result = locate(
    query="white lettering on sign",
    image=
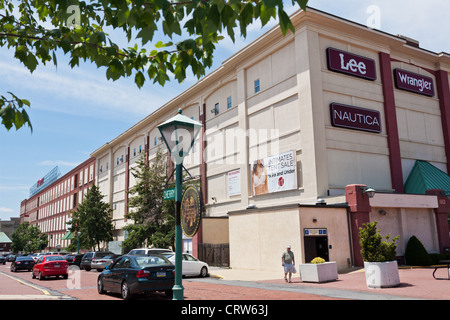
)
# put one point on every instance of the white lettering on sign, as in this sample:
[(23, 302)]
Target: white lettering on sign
[(413, 82), (356, 117), (352, 65), (419, 83)]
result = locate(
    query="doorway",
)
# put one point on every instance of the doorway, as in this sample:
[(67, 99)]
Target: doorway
[(315, 244)]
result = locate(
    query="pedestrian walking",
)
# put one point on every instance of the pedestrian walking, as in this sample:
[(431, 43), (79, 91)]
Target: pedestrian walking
[(288, 262)]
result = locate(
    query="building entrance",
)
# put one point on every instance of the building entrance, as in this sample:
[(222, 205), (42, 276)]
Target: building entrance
[(315, 244)]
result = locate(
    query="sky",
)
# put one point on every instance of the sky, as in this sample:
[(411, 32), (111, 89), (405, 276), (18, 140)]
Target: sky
[(76, 111)]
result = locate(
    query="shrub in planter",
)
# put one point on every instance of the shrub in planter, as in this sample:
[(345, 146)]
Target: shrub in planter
[(416, 254), (373, 248), (318, 271), (381, 268)]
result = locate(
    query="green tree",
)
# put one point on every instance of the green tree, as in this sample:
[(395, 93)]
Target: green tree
[(153, 218), (93, 219), (36, 30), (28, 238)]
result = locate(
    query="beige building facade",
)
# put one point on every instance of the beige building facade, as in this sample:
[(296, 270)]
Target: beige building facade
[(294, 128)]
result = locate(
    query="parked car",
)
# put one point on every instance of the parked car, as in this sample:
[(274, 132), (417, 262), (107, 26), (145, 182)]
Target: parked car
[(141, 251), (22, 263), (50, 265), (134, 274), (3, 259), (102, 263), (191, 266), (74, 259), (87, 258), (11, 258)]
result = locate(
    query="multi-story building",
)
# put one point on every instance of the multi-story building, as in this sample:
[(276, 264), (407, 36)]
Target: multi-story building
[(295, 130), (53, 198)]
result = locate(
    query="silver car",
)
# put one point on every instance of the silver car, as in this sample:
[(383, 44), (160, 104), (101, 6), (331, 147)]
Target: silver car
[(102, 263)]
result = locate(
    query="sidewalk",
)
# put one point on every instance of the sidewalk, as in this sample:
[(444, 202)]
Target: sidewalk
[(415, 283)]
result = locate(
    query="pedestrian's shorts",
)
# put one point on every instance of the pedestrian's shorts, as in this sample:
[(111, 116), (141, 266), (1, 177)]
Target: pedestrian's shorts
[(288, 267)]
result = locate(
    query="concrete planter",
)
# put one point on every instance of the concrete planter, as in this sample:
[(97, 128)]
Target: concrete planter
[(382, 274), (320, 272)]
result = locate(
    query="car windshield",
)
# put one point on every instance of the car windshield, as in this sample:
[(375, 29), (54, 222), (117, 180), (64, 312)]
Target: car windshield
[(54, 258), (151, 261), (102, 254), (24, 258), (137, 251)]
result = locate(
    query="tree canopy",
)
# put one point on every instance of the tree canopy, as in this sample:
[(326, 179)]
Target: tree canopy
[(36, 30)]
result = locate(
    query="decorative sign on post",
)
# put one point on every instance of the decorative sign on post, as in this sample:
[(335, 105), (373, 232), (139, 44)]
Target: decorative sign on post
[(413, 82), (355, 118), (351, 64), (191, 211)]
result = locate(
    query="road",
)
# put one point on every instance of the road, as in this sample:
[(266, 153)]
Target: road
[(81, 285)]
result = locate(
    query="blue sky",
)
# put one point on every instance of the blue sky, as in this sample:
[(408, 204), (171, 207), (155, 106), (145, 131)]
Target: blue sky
[(76, 111)]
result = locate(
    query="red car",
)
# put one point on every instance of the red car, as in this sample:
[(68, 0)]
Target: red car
[(50, 265)]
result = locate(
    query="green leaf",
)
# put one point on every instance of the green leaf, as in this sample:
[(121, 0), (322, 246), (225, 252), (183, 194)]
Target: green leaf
[(146, 34), (139, 79)]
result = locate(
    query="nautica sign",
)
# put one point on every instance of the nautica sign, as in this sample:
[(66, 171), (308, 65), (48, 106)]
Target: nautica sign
[(413, 82), (355, 118)]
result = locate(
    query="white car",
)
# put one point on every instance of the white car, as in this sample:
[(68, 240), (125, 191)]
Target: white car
[(191, 265)]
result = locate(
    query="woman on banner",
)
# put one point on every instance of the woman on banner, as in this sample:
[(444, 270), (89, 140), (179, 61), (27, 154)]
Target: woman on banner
[(259, 178)]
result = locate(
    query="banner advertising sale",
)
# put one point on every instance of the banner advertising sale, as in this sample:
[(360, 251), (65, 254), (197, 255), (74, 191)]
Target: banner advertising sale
[(275, 173)]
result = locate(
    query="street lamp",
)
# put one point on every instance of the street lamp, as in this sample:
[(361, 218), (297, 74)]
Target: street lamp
[(179, 134)]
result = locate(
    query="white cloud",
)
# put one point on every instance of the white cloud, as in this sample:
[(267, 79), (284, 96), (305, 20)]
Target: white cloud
[(6, 210)]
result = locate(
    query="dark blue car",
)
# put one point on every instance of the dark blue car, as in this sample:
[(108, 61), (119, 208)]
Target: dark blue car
[(131, 275)]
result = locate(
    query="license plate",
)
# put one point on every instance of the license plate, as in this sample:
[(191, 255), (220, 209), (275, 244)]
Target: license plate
[(57, 265), (160, 274)]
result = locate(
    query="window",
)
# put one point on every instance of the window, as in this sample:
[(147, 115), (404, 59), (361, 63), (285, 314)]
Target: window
[(257, 86), (155, 141), (118, 160), (140, 149), (229, 102), (216, 109), (134, 152)]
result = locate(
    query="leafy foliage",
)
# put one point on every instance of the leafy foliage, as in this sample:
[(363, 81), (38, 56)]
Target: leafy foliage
[(373, 248), (36, 30), (92, 218), (28, 238)]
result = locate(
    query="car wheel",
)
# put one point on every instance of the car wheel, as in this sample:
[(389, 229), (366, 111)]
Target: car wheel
[(125, 291), (40, 276), (203, 272), (87, 268), (100, 288), (32, 275), (65, 276)]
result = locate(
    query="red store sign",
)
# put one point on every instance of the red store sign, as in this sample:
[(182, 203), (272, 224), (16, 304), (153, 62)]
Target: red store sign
[(351, 64), (355, 118), (413, 82)]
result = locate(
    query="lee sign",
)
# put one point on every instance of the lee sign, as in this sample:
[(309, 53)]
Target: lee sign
[(355, 118), (413, 82), (351, 64)]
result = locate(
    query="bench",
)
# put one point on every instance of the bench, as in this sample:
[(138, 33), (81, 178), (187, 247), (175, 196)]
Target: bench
[(447, 262)]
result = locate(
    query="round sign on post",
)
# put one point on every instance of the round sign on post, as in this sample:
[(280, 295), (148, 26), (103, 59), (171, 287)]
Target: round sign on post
[(191, 211)]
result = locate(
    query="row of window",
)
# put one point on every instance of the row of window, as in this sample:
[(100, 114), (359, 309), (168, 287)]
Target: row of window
[(257, 88)]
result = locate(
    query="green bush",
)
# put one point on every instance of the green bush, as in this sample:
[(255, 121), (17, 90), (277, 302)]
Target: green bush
[(416, 254), (373, 248)]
